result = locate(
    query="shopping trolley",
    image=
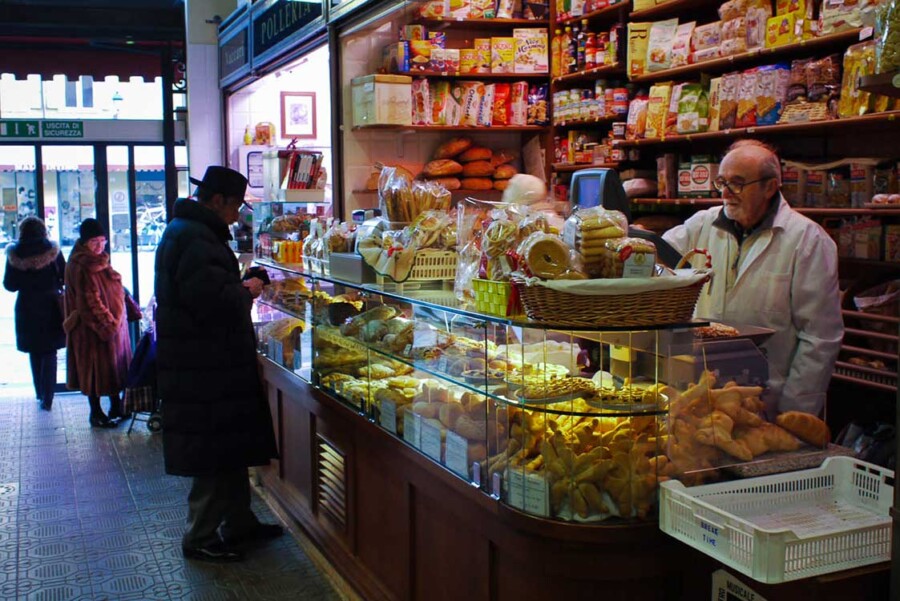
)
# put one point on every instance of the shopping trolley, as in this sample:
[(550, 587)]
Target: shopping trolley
[(141, 398)]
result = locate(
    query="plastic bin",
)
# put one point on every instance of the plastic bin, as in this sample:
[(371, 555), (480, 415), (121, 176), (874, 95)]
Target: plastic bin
[(492, 297), (787, 526)]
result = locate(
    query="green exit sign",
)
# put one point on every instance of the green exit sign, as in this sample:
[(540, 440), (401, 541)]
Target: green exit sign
[(20, 129), (62, 129)]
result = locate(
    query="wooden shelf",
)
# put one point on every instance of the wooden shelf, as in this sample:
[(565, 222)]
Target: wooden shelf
[(441, 128), (486, 76), (592, 123), (727, 63), (837, 212), (877, 263), (482, 23), (671, 8), (846, 377), (870, 316), (680, 202), (596, 15), (461, 193), (569, 168), (615, 69), (815, 127), (886, 84)]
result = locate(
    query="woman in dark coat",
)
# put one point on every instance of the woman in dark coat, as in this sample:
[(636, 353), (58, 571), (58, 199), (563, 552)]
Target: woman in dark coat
[(34, 269), (98, 348)]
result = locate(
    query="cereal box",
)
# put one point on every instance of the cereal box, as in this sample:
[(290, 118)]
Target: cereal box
[(395, 57), (468, 59), (657, 110), (483, 54), (503, 55), (420, 55), (780, 30), (531, 51), (892, 243)]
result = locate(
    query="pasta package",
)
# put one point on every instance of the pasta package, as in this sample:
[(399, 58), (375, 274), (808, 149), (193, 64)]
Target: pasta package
[(638, 42), (714, 103), (659, 47), (734, 37), (707, 37), (681, 44), (729, 90), (636, 125), (672, 114), (518, 103), (422, 108), (657, 110), (486, 110), (501, 104), (472, 94), (771, 93), (746, 104), (693, 110), (859, 60)]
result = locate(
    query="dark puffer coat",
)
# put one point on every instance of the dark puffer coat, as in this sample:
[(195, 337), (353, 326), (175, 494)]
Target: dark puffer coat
[(98, 349), (214, 408), (34, 269)]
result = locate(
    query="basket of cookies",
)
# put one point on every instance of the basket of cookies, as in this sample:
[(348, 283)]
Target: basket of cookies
[(595, 275)]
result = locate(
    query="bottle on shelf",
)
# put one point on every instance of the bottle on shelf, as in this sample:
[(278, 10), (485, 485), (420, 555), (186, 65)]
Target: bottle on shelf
[(556, 54), (248, 136), (581, 46), (568, 51), (603, 49), (590, 51)]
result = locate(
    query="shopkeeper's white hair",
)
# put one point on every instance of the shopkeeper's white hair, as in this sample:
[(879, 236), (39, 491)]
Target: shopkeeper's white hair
[(770, 166)]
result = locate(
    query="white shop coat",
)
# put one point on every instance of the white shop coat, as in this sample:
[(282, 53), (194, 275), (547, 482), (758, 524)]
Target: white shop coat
[(783, 277)]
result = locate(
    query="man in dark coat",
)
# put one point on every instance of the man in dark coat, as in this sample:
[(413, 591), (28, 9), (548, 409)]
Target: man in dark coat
[(216, 418)]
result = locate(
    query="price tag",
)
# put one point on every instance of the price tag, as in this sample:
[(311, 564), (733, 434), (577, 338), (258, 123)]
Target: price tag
[(457, 455), (515, 488), (865, 33), (528, 491), (638, 265), (430, 440), (411, 423), (388, 417)]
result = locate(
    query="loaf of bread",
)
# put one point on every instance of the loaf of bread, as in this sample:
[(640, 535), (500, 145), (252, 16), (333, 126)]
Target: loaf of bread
[(442, 168), (478, 169), (806, 427), (475, 153), (477, 183), (450, 183), (452, 147), (501, 184), (503, 156), (505, 171), (545, 255)]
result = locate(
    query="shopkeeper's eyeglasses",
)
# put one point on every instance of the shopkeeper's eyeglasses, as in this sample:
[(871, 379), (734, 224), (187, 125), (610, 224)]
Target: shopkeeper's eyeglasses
[(721, 184)]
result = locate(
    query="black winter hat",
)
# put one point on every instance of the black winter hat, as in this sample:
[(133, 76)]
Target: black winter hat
[(32, 228), (222, 180), (90, 228)]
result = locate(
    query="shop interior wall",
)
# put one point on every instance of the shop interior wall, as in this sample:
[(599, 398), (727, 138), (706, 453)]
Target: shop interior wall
[(260, 102)]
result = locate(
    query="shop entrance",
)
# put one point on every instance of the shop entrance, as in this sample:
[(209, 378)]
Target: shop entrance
[(121, 185)]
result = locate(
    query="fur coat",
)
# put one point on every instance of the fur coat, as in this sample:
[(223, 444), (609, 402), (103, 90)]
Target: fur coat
[(98, 349), (34, 269)]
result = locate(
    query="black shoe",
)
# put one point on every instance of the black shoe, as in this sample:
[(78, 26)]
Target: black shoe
[(217, 552), (101, 421), (46, 405), (261, 532)]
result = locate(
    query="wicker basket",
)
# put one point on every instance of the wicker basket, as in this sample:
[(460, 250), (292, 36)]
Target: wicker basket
[(657, 307)]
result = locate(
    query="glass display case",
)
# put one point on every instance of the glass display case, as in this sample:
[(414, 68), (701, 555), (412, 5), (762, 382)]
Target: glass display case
[(563, 423)]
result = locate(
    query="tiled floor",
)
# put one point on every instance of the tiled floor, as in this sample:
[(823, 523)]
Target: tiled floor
[(89, 514)]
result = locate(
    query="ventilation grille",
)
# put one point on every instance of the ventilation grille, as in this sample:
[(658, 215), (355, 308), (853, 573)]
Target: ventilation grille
[(331, 482)]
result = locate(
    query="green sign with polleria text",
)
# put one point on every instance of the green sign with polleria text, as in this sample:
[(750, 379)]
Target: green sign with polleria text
[(62, 129)]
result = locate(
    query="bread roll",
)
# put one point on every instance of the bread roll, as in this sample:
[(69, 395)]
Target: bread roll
[(504, 156), (478, 169), (504, 171), (452, 147), (475, 153), (477, 183), (806, 427), (442, 168), (501, 184), (450, 183)]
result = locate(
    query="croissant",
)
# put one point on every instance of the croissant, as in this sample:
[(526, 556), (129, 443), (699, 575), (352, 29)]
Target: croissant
[(715, 431), (806, 427)]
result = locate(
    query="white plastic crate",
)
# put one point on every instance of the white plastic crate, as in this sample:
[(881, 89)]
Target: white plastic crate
[(434, 265), (787, 526)]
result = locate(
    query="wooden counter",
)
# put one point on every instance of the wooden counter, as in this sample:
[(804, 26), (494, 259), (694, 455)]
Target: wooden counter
[(399, 526)]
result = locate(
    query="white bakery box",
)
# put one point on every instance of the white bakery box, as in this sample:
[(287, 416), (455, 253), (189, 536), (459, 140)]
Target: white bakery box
[(382, 100)]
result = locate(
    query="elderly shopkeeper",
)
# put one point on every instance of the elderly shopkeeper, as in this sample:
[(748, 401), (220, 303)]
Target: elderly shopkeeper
[(773, 268)]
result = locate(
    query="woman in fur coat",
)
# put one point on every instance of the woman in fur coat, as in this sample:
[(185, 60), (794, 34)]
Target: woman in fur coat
[(98, 348), (34, 269)]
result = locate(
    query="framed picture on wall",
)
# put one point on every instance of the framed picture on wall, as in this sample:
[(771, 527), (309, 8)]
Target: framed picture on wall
[(298, 114)]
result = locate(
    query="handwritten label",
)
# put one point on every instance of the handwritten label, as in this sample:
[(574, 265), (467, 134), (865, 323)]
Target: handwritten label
[(709, 534), (528, 491), (388, 417), (457, 459), (411, 423), (728, 588), (430, 440)]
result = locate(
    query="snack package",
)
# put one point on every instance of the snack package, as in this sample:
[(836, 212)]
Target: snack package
[(626, 258), (451, 60), (429, 196), (797, 83), (638, 43), (636, 124), (659, 46), (681, 44), (714, 103), (473, 218), (531, 53), (734, 36), (538, 113), (732, 9), (545, 256), (422, 107), (425, 230), (859, 60), (757, 17), (729, 91), (395, 196), (472, 94), (706, 37), (783, 7), (823, 79), (420, 55), (483, 55), (657, 110), (793, 183), (862, 183), (837, 187), (587, 231), (815, 188), (482, 9), (440, 95), (503, 54), (672, 114), (468, 59), (841, 15), (499, 239), (771, 93), (693, 110), (454, 105), (887, 34), (746, 104), (486, 110), (518, 103), (337, 239), (780, 30), (501, 104), (505, 9)]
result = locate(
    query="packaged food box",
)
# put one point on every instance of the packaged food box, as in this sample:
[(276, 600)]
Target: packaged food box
[(413, 32), (667, 175), (657, 110), (382, 100), (862, 182), (780, 30), (468, 59), (483, 55), (793, 184), (419, 55), (783, 7), (451, 60), (892, 243), (503, 55), (684, 180), (395, 57), (867, 239), (531, 54), (638, 41), (704, 171), (815, 188), (456, 9), (714, 100)]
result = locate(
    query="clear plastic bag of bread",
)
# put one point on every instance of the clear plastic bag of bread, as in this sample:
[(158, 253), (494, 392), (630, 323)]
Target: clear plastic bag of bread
[(395, 196), (533, 221), (426, 230), (590, 227), (472, 218), (430, 196), (616, 252), (499, 239), (338, 238), (547, 257)]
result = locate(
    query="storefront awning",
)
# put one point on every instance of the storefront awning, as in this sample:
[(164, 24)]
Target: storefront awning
[(24, 58)]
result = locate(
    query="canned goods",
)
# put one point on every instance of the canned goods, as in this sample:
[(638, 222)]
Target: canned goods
[(616, 155), (618, 130)]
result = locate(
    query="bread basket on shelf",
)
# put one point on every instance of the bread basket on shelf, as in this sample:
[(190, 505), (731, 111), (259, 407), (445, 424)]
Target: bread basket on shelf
[(615, 302)]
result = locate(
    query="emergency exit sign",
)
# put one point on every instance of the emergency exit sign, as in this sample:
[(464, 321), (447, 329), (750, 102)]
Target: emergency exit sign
[(20, 129), (62, 129)]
